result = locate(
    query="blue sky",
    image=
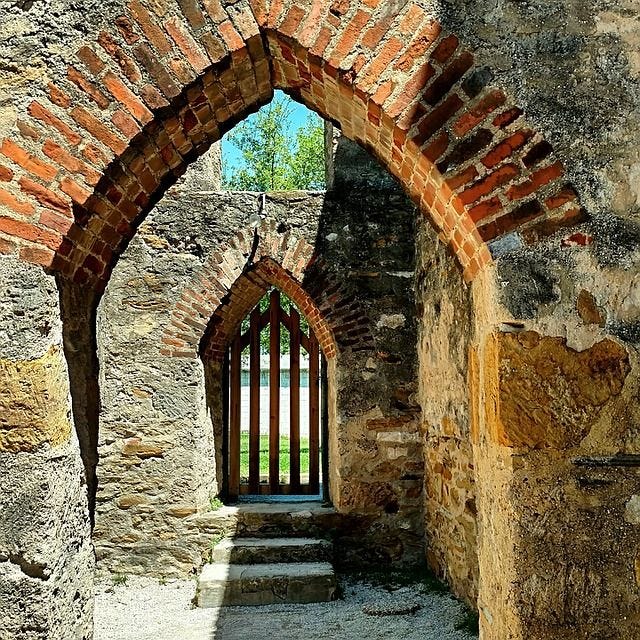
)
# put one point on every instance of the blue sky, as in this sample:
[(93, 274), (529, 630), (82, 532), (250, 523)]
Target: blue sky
[(231, 155)]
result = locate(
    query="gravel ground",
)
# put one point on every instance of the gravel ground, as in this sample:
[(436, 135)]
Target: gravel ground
[(143, 609)]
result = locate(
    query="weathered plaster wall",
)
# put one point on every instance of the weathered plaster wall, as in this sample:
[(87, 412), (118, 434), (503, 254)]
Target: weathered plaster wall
[(445, 316), (46, 560)]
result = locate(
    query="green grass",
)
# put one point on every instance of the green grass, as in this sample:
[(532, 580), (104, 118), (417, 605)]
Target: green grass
[(264, 455)]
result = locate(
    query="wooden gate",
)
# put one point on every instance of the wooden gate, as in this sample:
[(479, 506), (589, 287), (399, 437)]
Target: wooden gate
[(272, 481)]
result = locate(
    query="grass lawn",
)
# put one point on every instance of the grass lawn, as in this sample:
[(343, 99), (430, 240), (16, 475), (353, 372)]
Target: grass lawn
[(264, 455)]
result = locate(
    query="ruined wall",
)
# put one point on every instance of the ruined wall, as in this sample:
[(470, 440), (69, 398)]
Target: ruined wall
[(157, 443), (46, 560), (445, 315), (160, 450)]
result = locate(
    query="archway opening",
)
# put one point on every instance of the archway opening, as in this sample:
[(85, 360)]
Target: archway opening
[(273, 410)]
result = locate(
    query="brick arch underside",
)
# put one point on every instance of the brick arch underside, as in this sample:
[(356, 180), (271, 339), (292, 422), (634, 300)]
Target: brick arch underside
[(237, 275), (153, 91)]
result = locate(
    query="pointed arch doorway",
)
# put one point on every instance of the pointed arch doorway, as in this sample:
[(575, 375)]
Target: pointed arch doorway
[(274, 406)]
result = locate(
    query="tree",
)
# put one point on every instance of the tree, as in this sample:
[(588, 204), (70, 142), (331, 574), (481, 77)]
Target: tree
[(272, 159)]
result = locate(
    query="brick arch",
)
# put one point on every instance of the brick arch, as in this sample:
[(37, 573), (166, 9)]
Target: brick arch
[(152, 91), (237, 275)]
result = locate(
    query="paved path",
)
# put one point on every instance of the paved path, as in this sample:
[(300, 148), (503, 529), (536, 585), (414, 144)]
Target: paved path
[(145, 610)]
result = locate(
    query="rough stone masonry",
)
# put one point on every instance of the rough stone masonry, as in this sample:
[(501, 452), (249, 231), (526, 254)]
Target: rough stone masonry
[(513, 128)]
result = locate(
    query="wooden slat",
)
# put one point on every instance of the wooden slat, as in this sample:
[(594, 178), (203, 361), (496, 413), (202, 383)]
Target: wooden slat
[(234, 419), (245, 339), (274, 392), (314, 415), (254, 403), (294, 400), (225, 422)]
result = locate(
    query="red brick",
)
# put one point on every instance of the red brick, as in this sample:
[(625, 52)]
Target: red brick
[(27, 131), (566, 194), (411, 20), (44, 196), (28, 231), (88, 87), (538, 179), (6, 175), (127, 30), (537, 153), (507, 148), (485, 209), (44, 115), (55, 221), (127, 98), (74, 191), (90, 60), (441, 85), (153, 32), (37, 255), (373, 36), (462, 178), (418, 46), (382, 61), (437, 147), (215, 10), (193, 14), (27, 161), (350, 35), (292, 21), (95, 155), (7, 199), (321, 42), (505, 118), (231, 37), (476, 114), (98, 130), (485, 186), (275, 11), (7, 246), (152, 97), (125, 62), (411, 89), (181, 36), (70, 162), (58, 96), (445, 49), (437, 118)]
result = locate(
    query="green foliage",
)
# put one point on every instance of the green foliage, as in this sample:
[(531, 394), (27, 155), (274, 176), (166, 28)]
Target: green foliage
[(215, 503), (285, 338), (119, 579), (264, 454), (272, 158)]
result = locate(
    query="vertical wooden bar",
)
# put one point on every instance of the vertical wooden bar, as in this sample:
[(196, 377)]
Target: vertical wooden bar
[(324, 430), (254, 403), (294, 400), (314, 415), (225, 422), (234, 419), (274, 392)]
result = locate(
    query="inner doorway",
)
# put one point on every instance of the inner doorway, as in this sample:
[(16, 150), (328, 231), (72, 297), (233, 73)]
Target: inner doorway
[(273, 405)]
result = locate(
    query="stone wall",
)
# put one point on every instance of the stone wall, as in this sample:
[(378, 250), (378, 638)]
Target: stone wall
[(160, 424), (46, 560), (446, 332)]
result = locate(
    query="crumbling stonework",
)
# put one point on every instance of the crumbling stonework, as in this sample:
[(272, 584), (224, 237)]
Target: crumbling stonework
[(161, 425), (512, 126), (46, 559)]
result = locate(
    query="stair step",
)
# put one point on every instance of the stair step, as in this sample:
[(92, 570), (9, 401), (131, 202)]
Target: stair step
[(271, 550), (260, 584)]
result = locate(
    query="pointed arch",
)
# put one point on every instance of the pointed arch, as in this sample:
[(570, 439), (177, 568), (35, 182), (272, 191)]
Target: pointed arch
[(153, 91), (238, 274)]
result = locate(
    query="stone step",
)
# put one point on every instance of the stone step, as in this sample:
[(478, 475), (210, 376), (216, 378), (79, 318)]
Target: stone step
[(271, 550), (222, 584)]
